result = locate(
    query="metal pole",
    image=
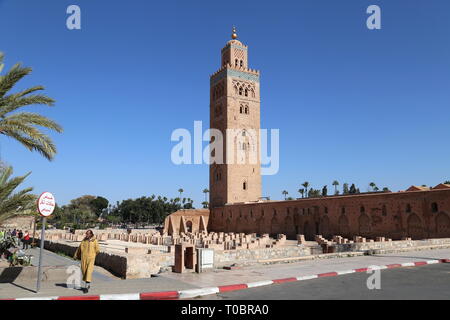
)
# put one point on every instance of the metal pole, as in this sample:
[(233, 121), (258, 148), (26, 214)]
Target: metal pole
[(34, 233), (38, 287)]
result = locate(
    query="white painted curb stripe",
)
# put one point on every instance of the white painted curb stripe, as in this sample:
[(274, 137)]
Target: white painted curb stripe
[(307, 277), (259, 284), (39, 298), (128, 296), (192, 293), (408, 264), (432, 261), (345, 272)]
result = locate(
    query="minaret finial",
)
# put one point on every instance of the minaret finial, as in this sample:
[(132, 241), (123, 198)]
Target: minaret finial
[(234, 34)]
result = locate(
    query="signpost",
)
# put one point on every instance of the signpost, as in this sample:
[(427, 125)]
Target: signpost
[(45, 205)]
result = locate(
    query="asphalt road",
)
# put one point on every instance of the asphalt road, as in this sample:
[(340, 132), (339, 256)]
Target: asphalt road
[(424, 282)]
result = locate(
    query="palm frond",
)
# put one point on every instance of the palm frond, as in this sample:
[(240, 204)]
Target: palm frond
[(13, 76), (14, 203)]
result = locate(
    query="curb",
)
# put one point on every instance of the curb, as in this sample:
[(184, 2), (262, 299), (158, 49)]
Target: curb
[(193, 293)]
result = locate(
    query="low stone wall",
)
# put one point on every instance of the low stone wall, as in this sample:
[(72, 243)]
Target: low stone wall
[(247, 257), (387, 246), (127, 266)]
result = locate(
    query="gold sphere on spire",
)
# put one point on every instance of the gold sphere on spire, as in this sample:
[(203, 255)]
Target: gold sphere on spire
[(234, 34)]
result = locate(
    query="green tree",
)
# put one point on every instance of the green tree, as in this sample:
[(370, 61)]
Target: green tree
[(302, 192), (447, 182), (284, 193), (205, 203), (345, 189), (372, 185), (99, 204), (325, 191), (306, 185), (23, 126), (180, 191), (335, 184), (14, 202), (314, 193)]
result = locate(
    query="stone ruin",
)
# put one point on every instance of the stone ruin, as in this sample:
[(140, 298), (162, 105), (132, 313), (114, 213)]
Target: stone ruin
[(213, 240)]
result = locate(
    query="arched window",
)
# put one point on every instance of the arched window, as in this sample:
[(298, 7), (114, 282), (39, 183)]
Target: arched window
[(236, 62), (242, 63), (240, 91), (240, 109), (246, 110), (384, 211), (408, 208), (246, 92), (244, 185), (343, 209), (434, 207), (362, 209)]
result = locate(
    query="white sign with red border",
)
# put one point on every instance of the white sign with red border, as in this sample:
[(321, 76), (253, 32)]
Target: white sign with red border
[(46, 204)]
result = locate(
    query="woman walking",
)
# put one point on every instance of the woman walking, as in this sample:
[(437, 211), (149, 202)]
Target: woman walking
[(87, 251)]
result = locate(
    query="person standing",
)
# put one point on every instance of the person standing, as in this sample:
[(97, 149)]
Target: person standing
[(87, 251), (26, 240), (20, 236)]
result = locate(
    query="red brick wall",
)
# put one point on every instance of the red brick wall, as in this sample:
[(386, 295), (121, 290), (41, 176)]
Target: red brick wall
[(368, 215)]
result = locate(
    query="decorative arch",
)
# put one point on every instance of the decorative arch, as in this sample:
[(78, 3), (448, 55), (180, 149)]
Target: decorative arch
[(274, 226), (189, 226), (364, 224), (415, 227), (324, 227), (344, 227), (289, 227), (442, 225), (308, 231)]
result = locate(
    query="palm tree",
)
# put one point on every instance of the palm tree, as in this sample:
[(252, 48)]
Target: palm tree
[(206, 191), (14, 203), (306, 185), (23, 126), (284, 193), (335, 184), (180, 191), (302, 192), (372, 185)]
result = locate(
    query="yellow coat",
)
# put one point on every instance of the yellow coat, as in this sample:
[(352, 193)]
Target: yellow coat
[(87, 251)]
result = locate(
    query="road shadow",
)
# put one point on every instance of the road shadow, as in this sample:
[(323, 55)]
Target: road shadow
[(9, 275), (64, 285)]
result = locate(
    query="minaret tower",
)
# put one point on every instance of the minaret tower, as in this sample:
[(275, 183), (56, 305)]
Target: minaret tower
[(235, 111)]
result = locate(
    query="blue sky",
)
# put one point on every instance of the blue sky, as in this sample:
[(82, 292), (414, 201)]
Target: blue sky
[(351, 104)]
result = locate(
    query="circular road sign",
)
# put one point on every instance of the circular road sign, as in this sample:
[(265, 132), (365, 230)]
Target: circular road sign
[(46, 204)]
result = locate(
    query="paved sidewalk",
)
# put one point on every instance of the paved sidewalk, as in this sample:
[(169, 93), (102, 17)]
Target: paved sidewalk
[(217, 278), (52, 259)]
